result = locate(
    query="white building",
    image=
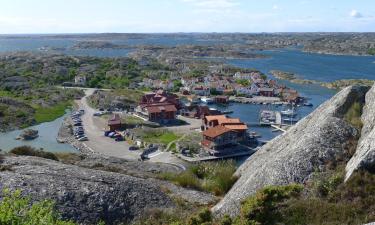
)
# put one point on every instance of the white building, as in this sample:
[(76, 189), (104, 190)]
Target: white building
[(80, 80)]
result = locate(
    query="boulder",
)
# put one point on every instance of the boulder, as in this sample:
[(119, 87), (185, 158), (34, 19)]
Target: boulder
[(293, 157), (84, 195), (364, 157)]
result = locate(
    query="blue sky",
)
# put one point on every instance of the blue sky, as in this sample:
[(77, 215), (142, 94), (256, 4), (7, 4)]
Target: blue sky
[(88, 16)]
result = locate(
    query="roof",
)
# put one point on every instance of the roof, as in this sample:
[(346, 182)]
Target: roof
[(217, 117), (158, 109), (206, 143), (237, 127), (216, 131), (266, 89), (115, 120), (229, 120)]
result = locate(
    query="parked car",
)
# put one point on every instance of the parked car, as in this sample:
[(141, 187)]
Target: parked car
[(106, 133), (78, 124), (98, 114), (83, 138), (133, 148), (82, 111), (120, 138), (79, 136)]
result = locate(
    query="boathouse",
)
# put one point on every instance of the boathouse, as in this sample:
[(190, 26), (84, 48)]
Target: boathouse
[(218, 140)]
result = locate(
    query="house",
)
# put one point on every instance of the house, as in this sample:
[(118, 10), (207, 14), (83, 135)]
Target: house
[(198, 111), (266, 92), (234, 124), (115, 123), (159, 97), (80, 80), (293, 98), (222, 99), (218, 140), (201, 91), (161, 113), (159, 106)]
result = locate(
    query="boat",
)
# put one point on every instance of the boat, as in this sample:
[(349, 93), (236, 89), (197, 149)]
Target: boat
[(255, 135), (291, 120), (227, 112), (207, 100), (309, 104), (288, 112)]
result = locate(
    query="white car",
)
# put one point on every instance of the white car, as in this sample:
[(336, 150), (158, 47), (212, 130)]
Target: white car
[(83, 139)]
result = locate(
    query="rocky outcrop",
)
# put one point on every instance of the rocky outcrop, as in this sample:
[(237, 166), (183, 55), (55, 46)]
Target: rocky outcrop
[(95, 187), (293, 157), (364, 157), (81, 194)]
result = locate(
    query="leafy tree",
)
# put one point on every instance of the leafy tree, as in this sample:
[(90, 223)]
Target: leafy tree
[(15, 209), (243, 82)]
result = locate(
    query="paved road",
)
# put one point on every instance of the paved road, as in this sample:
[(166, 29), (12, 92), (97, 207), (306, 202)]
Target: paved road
[(94, 129)]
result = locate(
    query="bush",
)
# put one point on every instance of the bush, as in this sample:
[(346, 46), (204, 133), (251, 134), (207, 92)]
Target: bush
[(262, 207), (214, 177), (353, 115), (15, 209), (29, 151), (203, 217)]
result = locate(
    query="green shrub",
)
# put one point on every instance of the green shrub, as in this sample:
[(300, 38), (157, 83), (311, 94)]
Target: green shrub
[(353, 115), (214, 177), (203, 217), (15, 209), (29, 151), (262, 207)]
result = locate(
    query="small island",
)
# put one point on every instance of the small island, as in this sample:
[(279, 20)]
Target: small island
[(338, 84), (28, 134)]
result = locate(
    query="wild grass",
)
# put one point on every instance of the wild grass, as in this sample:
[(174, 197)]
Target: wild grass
[(51, 113), (353, 115), (213, 177), (160, 136), (328, 200), (29, 151)]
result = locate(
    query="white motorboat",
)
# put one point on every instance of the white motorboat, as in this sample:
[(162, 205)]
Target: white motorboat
[(288, 112), (207, 100)]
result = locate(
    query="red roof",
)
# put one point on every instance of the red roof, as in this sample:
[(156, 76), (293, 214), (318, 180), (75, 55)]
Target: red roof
[(161, 108), (216, 131), (206, 143), (115, 120)]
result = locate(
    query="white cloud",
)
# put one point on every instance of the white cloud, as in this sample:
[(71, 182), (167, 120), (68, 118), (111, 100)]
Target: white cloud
[(275, 7), (355, 14)]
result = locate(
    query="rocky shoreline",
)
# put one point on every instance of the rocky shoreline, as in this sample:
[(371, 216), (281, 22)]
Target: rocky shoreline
[(338, 84), (65, 135)]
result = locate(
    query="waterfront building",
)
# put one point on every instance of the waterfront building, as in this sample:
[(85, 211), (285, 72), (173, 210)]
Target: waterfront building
[(218, 140)]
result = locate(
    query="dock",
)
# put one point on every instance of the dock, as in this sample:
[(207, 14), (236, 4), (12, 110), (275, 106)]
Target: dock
[(268, 118), (257, 100), (248, 152), (278, 128)]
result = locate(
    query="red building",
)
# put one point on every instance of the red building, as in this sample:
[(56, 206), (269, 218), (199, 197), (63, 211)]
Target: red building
[(160, 97), (218, 139), (233, 124), (159, 106), (161, 112), (115, 123), (221, 99)]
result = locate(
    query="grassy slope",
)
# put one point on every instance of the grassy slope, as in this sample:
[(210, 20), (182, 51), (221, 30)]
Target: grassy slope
[(49, 114)]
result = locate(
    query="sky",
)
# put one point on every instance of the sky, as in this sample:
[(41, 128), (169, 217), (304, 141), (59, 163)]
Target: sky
[(165, 16)]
